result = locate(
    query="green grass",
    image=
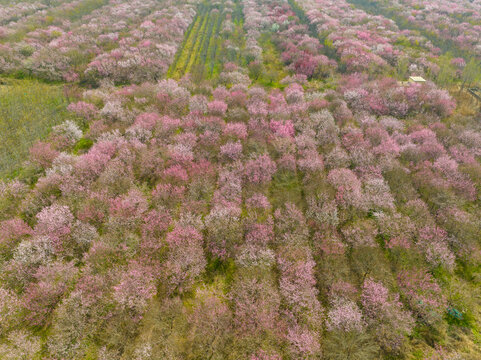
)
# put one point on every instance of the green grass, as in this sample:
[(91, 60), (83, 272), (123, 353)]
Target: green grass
[(273, 68), (286, 188), (28, 110)]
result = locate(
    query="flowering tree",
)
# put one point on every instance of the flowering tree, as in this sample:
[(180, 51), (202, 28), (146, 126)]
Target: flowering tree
[(186, 261), (135, 289), (41, 297), (345, 316), (259, 170), (56, 223), (423, 295), (348, 187), (391, 322)]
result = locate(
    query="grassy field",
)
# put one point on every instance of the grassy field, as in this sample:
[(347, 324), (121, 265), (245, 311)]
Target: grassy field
[(28, 110)]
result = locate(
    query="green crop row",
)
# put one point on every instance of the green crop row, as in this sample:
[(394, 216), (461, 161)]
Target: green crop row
[(212, 47), (182, 58), (193, 53), (206, 48), (202, 60), (200, 54)]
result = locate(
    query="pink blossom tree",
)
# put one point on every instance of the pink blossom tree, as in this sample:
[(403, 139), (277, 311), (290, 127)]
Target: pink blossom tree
[(185, 260), (135, 289)]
